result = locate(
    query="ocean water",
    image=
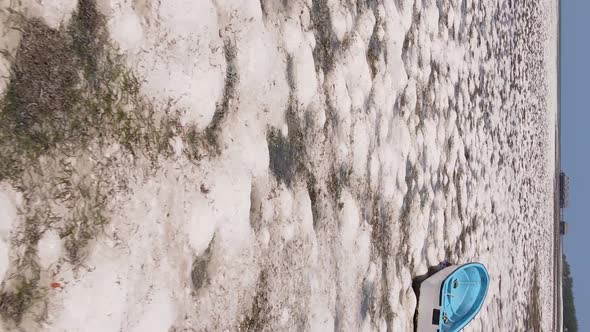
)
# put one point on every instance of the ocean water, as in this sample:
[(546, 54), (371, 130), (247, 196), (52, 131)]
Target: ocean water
[(316, 158)]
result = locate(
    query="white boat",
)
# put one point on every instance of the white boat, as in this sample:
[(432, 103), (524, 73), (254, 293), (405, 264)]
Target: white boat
[(451, 298)]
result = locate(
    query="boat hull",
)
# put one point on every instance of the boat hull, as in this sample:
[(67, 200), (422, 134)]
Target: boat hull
[(428, 302)]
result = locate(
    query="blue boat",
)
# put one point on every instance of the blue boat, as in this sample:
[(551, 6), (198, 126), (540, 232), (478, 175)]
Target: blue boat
[(452, 297)]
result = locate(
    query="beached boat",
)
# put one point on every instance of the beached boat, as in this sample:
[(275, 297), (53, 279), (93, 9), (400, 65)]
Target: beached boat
[(452, 297)]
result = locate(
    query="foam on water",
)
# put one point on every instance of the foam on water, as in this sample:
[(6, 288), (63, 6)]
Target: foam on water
[(416, 131)]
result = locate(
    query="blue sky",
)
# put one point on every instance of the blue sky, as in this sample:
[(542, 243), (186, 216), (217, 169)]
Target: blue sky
[(575, 145)]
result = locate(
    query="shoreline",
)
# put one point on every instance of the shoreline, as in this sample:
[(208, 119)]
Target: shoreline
[(558, 245)]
